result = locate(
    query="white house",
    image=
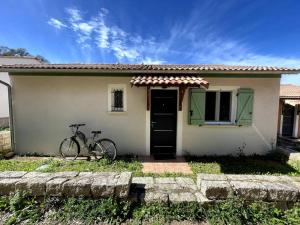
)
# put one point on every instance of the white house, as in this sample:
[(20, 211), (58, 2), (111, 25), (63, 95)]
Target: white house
[(4, 106), (148, 109)]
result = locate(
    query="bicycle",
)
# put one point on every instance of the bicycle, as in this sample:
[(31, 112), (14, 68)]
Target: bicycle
[(70, 147)]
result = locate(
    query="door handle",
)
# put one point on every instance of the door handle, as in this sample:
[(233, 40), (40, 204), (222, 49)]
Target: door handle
[(152, 123)]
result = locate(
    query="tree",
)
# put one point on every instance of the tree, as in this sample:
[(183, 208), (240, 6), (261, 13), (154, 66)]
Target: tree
[(6, 51)]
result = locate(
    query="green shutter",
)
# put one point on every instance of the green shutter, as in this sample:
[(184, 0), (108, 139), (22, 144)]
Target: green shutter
[(244, 107), (196, 106)]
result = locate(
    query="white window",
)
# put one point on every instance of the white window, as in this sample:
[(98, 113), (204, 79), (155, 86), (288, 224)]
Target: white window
[(117, 98), (220, 105)]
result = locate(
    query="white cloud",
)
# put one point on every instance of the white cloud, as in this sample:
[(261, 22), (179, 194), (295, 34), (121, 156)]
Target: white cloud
[(56, 23), (186, 42)]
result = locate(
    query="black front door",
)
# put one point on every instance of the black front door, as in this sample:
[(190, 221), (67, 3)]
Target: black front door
[(288, 120), (163, 123)]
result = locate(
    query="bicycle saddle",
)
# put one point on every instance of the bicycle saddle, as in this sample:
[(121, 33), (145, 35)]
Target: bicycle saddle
[(96, 132), (77, 125)]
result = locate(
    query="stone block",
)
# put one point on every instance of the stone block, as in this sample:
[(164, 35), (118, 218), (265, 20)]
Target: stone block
[(12, 174), (280, 192), (79, 186), (123, 185), (65, 174), (182, 197), (104, 186), (249, 190), (144, 183), (54, 186), (200, 198), (34, 186), (215, 189), (149, 197), (38, 174), (187, 184), (7, 185), (165, 180)]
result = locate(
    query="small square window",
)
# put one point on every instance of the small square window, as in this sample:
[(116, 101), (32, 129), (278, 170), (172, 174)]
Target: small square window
[(117, 98)]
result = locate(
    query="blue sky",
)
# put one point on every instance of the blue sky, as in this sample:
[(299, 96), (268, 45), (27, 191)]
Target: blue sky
[(245, 32)]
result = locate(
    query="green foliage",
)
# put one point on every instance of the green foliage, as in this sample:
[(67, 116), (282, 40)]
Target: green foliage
[(234, 211), (238, 212), (161, 211), (23, 208), (106, 210), (20, 165)]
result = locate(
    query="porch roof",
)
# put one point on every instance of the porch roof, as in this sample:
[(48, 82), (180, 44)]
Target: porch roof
[(183, 80)]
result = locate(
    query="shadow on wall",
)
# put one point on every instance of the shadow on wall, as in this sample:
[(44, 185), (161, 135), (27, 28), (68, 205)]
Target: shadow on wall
[(272, 163)]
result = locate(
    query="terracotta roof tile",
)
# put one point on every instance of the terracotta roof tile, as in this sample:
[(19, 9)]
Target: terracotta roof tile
[(289, 91), (149, 67), (186, 80)]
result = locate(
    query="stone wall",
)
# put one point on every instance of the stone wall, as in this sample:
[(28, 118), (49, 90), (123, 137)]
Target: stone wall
[(5, 145), (4, 122), (208, 188)]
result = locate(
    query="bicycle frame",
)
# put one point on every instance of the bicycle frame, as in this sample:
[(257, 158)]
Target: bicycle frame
[(88, 143)]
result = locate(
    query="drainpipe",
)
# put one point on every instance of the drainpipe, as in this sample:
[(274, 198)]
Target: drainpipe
[(11, 120)]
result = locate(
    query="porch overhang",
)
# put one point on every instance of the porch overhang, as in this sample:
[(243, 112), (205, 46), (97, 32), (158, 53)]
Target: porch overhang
[(182, 82)]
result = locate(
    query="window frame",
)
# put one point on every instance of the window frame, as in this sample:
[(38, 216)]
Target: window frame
[(110, 89), (233, 104)]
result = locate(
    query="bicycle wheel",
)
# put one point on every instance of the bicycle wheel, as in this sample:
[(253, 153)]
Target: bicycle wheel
[(108, 147), (69, 149), (98, 151)]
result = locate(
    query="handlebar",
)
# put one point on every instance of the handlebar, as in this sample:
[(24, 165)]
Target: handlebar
[(77, 125)]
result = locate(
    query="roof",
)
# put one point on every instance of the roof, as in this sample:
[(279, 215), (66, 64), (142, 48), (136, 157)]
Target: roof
[(149, 68), (191, 81), (289, 91)]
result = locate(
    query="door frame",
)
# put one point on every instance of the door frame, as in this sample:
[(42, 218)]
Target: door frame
[(178, 125)]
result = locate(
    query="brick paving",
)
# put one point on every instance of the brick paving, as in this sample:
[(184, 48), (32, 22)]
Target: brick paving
[(178, 165)]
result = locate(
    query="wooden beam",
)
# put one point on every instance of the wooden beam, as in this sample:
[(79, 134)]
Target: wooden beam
[(148, 98), (181, 96)]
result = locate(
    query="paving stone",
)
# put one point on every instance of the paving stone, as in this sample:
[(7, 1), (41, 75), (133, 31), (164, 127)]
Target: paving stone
[(12, 174), (165, 180), (213, 177), (182, 197), (54, 186), (281, 192), (143, 182), (8, 185), (215, 189), (186, 184), (238, 177), (38, 174), (249, 190), (123, 184), (79, 186), (154, 197), (65, 174)]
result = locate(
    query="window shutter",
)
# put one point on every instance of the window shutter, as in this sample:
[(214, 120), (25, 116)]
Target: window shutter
[(244, 107), (196, 106)]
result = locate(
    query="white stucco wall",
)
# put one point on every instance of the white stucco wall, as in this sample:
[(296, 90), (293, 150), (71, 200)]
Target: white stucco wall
[(45, 106), (220, 140)]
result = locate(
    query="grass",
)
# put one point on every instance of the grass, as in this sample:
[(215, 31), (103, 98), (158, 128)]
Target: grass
[(270, 164)]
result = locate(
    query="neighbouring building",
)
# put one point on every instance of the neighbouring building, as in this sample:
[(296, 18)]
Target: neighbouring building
[(4, 106), (289, 111), (148, 109)]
